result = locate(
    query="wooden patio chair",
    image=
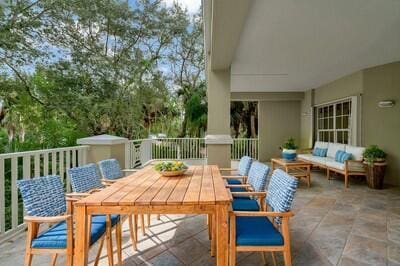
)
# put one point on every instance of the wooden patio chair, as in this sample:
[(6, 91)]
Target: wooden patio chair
[(265, 230), (241, 172), (111, 172), (45, 203), (86, 180)]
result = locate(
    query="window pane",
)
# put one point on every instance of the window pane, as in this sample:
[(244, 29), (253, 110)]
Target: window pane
[(331, 123), (325, 111), (320, 112), (331, 136), (345, 137), (340, 137), (339, 122), (346, 108), (320, 136), (345, 122), (339, 109), (331, 110)]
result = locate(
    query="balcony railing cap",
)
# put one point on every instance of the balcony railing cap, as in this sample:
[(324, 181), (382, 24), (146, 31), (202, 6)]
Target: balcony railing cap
[(102, 140), (218, 139)]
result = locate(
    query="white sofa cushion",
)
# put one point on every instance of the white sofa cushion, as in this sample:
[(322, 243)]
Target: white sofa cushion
[(321, 145), (307, 156), (356, 152), (334, 164), (333, 148)]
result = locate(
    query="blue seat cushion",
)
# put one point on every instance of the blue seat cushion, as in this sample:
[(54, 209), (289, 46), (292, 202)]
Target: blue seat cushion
[(56, 236), (245, 204), (238, 189), (234, 182), (257, 231)]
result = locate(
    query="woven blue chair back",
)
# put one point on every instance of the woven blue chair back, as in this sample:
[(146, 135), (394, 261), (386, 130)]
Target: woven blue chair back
[(281, 190), (85, 178), (258, 175), (244, 165), (43, 196), (110, 169)]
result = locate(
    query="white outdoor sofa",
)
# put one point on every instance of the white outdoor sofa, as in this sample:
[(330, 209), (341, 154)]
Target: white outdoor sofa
[(348, 168)]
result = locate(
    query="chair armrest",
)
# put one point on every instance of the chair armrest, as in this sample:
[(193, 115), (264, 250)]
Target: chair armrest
[(50, 219), (250, 193), (234, 177), (261, 214), (243, 185), (227, 169), (77, 194), (109, 181), (130, 170)]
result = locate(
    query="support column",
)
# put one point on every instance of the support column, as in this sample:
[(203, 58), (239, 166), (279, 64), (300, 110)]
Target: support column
[(218, 137), (106, 147)]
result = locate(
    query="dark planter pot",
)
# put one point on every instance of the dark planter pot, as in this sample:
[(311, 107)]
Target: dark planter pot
[(375, 174)]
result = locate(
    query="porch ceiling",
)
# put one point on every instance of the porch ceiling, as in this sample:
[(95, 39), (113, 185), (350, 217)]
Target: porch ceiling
[(290, 45)]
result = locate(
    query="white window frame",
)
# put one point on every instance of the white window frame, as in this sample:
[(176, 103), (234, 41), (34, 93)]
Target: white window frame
[(353, 124)]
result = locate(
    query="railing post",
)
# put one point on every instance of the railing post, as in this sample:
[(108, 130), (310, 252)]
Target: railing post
[(105, 147)]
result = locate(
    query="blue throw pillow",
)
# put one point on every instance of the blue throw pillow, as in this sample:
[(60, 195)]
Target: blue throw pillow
[(320, 152), (342, 156)]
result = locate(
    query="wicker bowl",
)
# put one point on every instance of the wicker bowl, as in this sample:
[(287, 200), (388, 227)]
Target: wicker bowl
[(172, 173)]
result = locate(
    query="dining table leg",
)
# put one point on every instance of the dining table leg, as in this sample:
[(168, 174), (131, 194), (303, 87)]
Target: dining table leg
[(222, 234), (80, 247)]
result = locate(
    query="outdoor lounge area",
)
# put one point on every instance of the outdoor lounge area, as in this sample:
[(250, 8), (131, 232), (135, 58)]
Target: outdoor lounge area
[(237, 132)]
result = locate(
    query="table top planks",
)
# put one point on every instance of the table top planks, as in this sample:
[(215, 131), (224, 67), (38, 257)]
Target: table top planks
[(200, 185)]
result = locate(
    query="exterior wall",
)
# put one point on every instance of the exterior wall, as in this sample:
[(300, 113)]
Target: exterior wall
[(350, 85), (381, 126), (278, 121), (306, 120)]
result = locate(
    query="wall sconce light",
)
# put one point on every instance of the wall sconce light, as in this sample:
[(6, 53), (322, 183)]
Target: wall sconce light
[(386, 104)]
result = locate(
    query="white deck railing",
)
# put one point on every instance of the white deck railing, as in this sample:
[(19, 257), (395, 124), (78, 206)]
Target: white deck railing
[(145, 150), (26, 165), (242, 147)]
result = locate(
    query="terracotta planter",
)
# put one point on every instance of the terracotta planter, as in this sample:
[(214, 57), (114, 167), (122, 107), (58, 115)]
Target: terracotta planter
[(375, 174)]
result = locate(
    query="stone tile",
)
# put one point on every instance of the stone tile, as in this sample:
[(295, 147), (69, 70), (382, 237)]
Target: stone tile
[(321, 202), (371, 229), (366, 250), (346, 261), (394, 236), (164, 259), (310, 255), (189, 251), (393, 253)]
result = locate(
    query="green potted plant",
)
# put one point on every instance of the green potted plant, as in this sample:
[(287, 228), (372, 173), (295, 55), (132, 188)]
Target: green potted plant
[(289, 149), (375, 166)]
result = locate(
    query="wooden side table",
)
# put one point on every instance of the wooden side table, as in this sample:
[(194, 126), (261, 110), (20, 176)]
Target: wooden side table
[(296, 168)]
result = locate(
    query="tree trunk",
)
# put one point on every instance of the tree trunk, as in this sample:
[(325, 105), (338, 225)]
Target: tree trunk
[(253, 125), (183, 129)]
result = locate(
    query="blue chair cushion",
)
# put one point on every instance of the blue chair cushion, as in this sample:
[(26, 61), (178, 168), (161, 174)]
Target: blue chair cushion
[(56, 236), (245, 204), (238, 189), (234, 182), (256, 231)]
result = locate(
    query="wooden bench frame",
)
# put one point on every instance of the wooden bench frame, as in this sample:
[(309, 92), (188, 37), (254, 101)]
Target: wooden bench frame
[(346, 172)]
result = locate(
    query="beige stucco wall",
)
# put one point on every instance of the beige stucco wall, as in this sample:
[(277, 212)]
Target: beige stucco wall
[(306, 123), (278, 121), (382, 125), (344, 87), (379, 126)]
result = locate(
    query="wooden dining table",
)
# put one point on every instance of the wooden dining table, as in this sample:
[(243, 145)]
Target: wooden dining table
[(201, 190)]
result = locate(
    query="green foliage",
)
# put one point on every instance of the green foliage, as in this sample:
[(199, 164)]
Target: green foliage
[(372, 153), (290, 144), (72, 69), (170, 166)]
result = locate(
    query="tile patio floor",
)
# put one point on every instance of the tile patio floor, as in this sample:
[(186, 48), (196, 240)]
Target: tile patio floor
[(331, 226)]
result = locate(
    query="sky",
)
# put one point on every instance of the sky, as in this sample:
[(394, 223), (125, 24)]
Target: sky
[(191, 5)]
